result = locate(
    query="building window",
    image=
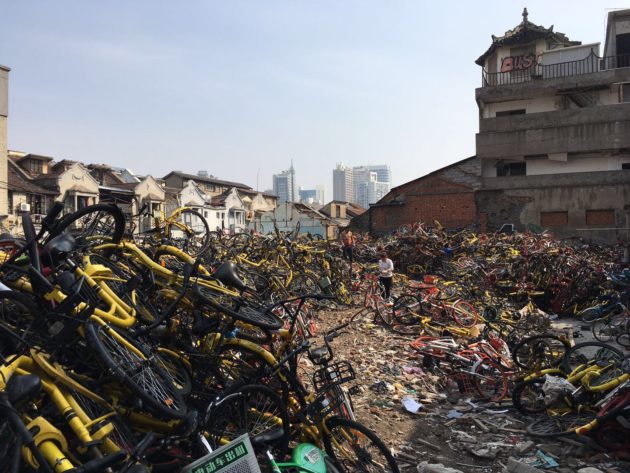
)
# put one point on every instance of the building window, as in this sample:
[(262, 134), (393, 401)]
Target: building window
[(507, 113), (218, 215), (554, 219), (624, 93), (625, 165), (205, 214), (82, 201), (511, 169), (600, 217)]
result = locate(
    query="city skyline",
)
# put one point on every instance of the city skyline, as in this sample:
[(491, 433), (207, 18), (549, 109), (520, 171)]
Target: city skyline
[(238, 88)]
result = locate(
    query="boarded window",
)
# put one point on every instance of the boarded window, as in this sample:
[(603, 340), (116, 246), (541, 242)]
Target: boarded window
[(511, 169), (600, 217), (554, 219), (507, 113)]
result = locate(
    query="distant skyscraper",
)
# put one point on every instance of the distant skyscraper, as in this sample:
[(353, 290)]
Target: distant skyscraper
[(343, 184), (284, 185), (371, 183), (383, 172), (312, 196)]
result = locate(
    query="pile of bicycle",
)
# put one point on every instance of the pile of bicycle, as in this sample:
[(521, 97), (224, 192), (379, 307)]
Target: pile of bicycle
[(152, 352), (182, 349)]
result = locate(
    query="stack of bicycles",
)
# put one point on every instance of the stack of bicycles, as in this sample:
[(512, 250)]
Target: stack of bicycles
[(136, 355)]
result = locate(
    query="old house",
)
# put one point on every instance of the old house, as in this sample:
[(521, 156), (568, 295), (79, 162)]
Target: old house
[(288, 216)]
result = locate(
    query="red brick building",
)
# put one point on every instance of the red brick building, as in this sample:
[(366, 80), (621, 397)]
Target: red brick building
[(446, 195)]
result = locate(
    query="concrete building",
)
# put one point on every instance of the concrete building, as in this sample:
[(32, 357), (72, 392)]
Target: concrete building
[(554, 130), (367, 187), (284, 185), (383, 173), (312, 196), (343, 183), (4, 114)]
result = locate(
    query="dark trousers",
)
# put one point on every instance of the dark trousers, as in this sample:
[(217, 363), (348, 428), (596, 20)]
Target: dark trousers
[(387, 286), (348, 253)]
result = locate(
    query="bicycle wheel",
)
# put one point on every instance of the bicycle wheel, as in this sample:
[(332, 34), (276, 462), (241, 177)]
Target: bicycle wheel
[(606, 329), (558, 426), (528, 397), (624, 339), (490, 381), (539, 351), (465, 314), (240, 364), (354, 447), (588, 351), (246, 311), (590, 314), (189, 231), (21, 323), (305, 284), (134, 369), (92, 225), (11, 446), (407, 309), (253, 409)]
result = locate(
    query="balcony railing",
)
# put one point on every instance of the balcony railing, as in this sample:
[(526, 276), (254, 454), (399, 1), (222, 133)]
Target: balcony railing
[(591, 63)]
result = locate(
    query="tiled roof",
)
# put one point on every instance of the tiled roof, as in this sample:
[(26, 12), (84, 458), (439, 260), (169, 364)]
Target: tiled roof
[(209, 180), (19, 183), (525, 32)]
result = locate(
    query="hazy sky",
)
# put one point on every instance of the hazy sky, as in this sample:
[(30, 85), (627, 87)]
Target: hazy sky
[(237, 86)]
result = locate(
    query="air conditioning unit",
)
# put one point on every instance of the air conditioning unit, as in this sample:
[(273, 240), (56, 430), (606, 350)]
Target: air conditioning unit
[(24, 207)]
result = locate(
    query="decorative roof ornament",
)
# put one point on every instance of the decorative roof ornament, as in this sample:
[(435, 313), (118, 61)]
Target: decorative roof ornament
[(524, 33)]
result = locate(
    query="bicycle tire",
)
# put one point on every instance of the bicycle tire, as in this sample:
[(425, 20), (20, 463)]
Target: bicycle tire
[(101, 223), (602, 330), (550, 348), (360, 442), (558, 426), (20, 318), (578, 354), (624, 339), (407, 309), (490, 381), (240, 364), (465, 314), (254, 409), (257, 316), (135, 370), (193, 241), (524, 404)]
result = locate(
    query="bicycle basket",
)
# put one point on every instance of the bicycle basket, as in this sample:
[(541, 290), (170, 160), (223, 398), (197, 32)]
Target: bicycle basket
[(236, 457), (333, 375)]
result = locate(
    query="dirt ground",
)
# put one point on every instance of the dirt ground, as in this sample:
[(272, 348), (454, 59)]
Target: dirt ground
[(451, 428)]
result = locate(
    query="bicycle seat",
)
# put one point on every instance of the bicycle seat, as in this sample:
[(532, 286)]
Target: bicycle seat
[(318, 355), (23, 388), (57, 248), (226, 273)]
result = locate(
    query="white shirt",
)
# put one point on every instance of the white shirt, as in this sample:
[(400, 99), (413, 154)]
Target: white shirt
[(386, 267)]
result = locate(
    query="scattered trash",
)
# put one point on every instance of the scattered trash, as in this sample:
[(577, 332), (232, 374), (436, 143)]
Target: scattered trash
[(411, 405)]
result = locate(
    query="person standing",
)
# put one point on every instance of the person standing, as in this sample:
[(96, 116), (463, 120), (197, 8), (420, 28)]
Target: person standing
[(386, 274), (347, 240)]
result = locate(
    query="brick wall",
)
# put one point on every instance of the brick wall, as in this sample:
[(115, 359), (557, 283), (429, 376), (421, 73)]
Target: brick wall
[(454, 210)]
